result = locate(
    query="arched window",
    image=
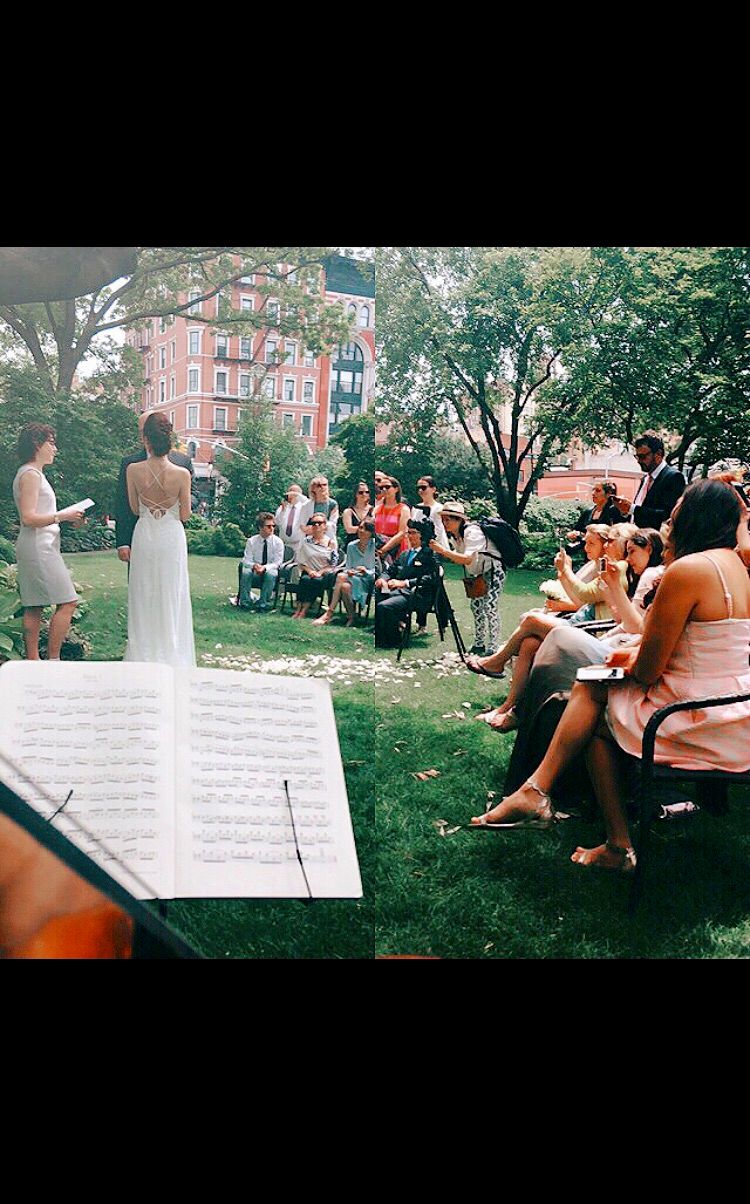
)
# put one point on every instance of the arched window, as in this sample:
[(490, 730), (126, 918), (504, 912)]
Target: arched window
[(192, 448), (364, 316), (351, 310)]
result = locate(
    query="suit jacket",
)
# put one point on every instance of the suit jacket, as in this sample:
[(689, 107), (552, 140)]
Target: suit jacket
[(609, 515), (125, 520), (422, 571), (660, 499)]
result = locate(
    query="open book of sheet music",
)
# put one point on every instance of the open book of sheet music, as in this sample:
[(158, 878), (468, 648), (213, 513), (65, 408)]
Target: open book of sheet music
[(181, 773)]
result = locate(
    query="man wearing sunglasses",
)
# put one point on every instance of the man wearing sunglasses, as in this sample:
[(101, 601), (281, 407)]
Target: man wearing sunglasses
[(659, 488)]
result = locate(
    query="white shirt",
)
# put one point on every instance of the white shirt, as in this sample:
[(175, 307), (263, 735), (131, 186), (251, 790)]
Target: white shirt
[(435, 509), (254, 551), (640, 497), (309, 509), (281, 518)]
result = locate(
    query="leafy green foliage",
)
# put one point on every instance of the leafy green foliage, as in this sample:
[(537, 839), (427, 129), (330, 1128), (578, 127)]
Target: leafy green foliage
[(7, 551), (268, 459), (91, 538), (356, 438), (11, 631)]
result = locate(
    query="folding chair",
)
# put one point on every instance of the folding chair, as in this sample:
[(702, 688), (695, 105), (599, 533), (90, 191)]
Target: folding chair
[(716, 781)]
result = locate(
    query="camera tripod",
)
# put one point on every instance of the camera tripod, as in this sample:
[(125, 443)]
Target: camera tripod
[(444, 615)]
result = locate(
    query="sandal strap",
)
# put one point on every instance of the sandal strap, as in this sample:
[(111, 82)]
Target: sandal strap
[(547, 804), (627, 852)]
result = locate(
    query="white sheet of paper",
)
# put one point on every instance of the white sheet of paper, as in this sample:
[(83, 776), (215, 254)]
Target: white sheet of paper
[(86, 504)]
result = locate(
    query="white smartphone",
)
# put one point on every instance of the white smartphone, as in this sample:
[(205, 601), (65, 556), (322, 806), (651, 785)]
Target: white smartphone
[(599, 673)]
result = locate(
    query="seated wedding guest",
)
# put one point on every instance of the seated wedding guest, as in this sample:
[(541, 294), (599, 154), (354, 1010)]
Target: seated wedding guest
[(694, 645), (391, 517), (261, 562), (603, 510), (287, 518), (536, 625), (355, 580), (43, 576), (410, 586), (593, 545), (589, 593), (316, 556), (356, 512), (320, 502)]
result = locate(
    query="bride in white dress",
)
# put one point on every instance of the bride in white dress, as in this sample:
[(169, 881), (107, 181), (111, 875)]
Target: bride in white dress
[(160, 616)]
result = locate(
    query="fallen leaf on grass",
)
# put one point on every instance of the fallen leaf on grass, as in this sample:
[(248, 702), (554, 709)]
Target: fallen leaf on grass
[(443, 828), (426, 774), (455, 715), (352, 763), (488, 946), (467, 705), (460, 752)]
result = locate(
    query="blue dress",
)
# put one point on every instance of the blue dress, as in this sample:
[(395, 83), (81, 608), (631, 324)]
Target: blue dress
[(355, 559)]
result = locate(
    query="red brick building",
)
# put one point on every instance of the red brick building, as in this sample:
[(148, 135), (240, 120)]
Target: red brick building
[(202, 377)]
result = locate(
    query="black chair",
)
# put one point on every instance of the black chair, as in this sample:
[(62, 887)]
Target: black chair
[(431, 609), (276, 583), (713, 783)]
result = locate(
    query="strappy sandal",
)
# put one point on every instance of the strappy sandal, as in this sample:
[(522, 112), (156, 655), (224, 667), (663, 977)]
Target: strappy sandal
[(625, 854), (474, 667), (544, 816)]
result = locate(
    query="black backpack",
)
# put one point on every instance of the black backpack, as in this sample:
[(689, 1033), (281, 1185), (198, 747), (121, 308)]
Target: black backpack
[(505, 538)]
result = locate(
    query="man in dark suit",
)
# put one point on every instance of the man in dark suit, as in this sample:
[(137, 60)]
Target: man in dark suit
[(410, 585), (658, 490), (125, 520)]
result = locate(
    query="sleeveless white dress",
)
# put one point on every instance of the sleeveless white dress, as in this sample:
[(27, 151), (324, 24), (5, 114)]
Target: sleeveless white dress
[(160, 615), (43, 577)]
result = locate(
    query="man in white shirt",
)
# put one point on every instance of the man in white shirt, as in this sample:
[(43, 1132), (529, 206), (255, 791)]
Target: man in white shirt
[(659, 488), (287, 517), (261, 562)]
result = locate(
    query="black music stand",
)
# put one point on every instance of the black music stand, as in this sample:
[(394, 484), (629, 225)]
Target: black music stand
[(152, 937)]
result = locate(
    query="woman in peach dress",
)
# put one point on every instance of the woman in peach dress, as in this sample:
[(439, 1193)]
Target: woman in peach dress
[(695, 644)]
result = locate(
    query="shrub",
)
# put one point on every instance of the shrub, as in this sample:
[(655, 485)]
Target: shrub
[(202, 542), (197, 522), (92, 538), (7, 551), (229, 540)]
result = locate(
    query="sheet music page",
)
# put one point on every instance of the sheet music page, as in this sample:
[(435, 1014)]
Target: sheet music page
[(239, 735), (105, 731)]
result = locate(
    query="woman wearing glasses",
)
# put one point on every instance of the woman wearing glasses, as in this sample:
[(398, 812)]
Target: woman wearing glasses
[(391, 517), (356, 513), (320, 502), (43, 578), (316, 557)]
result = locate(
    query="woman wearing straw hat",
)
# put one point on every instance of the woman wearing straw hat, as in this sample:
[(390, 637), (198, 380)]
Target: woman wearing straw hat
[(484, 576)]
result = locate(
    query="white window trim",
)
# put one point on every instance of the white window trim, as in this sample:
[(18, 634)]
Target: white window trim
[(240, 337), (304, 355), (274, 380), (162, 356), (195, 368), (172, 387), (273, 322), (306, 380), (198, 303), (240, 394), (199, 331), (287, 380), (171, 416), (162, 389), (246, 297), (286, 424), (172, 350), (225, 371), (188, 425), (226, 421), (364, 325), (306, 434), (290, 347), (222, 334), (275, 351)]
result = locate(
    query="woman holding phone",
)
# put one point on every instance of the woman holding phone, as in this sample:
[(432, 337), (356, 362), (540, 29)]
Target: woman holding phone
[(694, 644)]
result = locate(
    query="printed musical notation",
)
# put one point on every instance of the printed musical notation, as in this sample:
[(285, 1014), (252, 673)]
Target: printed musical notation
[(181, 774)]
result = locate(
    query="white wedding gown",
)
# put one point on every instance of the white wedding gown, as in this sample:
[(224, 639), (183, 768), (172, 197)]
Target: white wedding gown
[(160, 616)]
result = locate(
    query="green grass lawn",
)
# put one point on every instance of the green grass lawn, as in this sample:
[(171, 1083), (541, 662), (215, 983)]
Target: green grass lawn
[(491, 894), (228, 638)]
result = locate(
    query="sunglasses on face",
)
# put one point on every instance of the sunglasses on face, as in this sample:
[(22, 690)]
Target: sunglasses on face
[(363, 491), (421, 488), (317, 524)]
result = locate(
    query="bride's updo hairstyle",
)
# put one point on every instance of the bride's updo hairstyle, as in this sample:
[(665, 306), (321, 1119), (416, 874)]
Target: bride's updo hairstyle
[(158, 430), (706, 517)]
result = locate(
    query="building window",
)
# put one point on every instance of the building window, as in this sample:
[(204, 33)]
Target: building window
[(246, 349), (192, 448), (148, 399), (247, 304), (193, 380), (269, 387), (192, 296), (162, 390), (173, 351), (290, 353), (172, 387), (247, 279), (308, 391), (346, 382), (222, 346), (162, 324), (288, 388), (194, 342), (271, 345), (221, 382), (220, 418), (192, 418), (351, 311), (244, 384), (306, 424), (272, 313), (349, 351), (289, 421), (364, 316), (309, 359), (171, 416), (162, 357)]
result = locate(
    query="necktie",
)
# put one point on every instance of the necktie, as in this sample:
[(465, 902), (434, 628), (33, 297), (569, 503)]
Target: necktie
[(646, 484), (290, 522), (264, 558)]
